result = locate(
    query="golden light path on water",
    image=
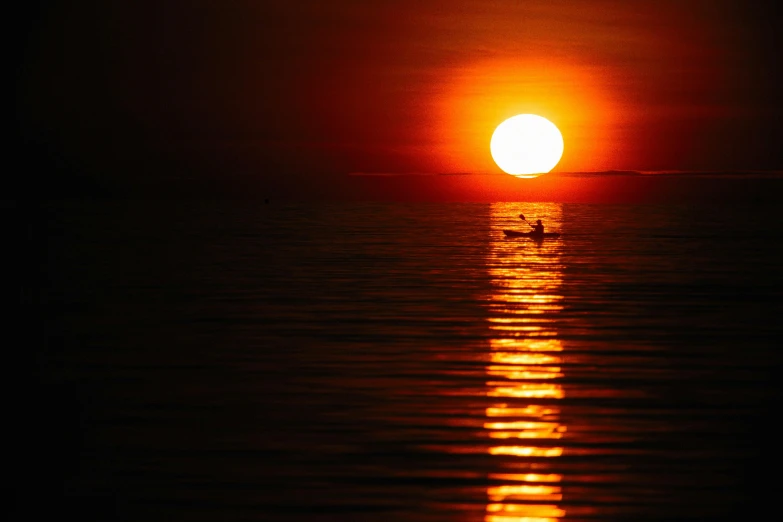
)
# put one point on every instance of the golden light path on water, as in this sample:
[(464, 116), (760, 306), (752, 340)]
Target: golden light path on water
[(525, 369)]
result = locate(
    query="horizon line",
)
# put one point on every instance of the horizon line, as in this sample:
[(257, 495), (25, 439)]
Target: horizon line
[(587, 173)]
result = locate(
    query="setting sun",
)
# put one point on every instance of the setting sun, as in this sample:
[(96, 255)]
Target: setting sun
[(526, 145)]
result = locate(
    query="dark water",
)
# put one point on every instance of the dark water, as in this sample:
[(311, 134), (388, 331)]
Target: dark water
[(225, 361)]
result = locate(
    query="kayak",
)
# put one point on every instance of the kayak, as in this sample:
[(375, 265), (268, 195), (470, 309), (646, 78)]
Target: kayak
[(531, 235)]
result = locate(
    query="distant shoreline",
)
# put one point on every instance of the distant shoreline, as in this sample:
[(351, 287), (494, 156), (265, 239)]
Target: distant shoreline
[(589, 174)]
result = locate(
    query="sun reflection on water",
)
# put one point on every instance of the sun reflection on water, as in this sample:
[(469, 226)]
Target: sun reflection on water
[(524, 370)]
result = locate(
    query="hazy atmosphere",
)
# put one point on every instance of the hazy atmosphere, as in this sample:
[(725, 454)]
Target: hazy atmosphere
[(248, 97)]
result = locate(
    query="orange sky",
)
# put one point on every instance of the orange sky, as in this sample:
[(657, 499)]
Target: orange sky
[(260, 91)]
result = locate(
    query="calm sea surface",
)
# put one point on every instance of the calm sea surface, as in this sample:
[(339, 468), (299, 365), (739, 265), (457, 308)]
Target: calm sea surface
[(229, 361)]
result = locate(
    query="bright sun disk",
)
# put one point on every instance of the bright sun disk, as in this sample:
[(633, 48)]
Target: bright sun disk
[(526, 145)]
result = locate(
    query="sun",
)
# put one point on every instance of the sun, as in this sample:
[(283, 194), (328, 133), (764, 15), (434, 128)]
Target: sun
[(526, 145)]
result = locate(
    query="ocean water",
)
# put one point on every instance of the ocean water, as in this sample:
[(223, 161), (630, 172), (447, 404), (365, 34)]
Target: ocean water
[(402, 362)]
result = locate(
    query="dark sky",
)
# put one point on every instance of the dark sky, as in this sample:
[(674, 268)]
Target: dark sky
[(173, 94)]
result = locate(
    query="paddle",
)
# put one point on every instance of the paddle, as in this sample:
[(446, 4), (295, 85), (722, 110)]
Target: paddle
[(522, 217)]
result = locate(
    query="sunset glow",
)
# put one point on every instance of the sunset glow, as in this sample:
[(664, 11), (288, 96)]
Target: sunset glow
[(487, 92)]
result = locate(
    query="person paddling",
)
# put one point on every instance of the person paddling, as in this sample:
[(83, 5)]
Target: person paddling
[(538, 228), (537, 233)]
